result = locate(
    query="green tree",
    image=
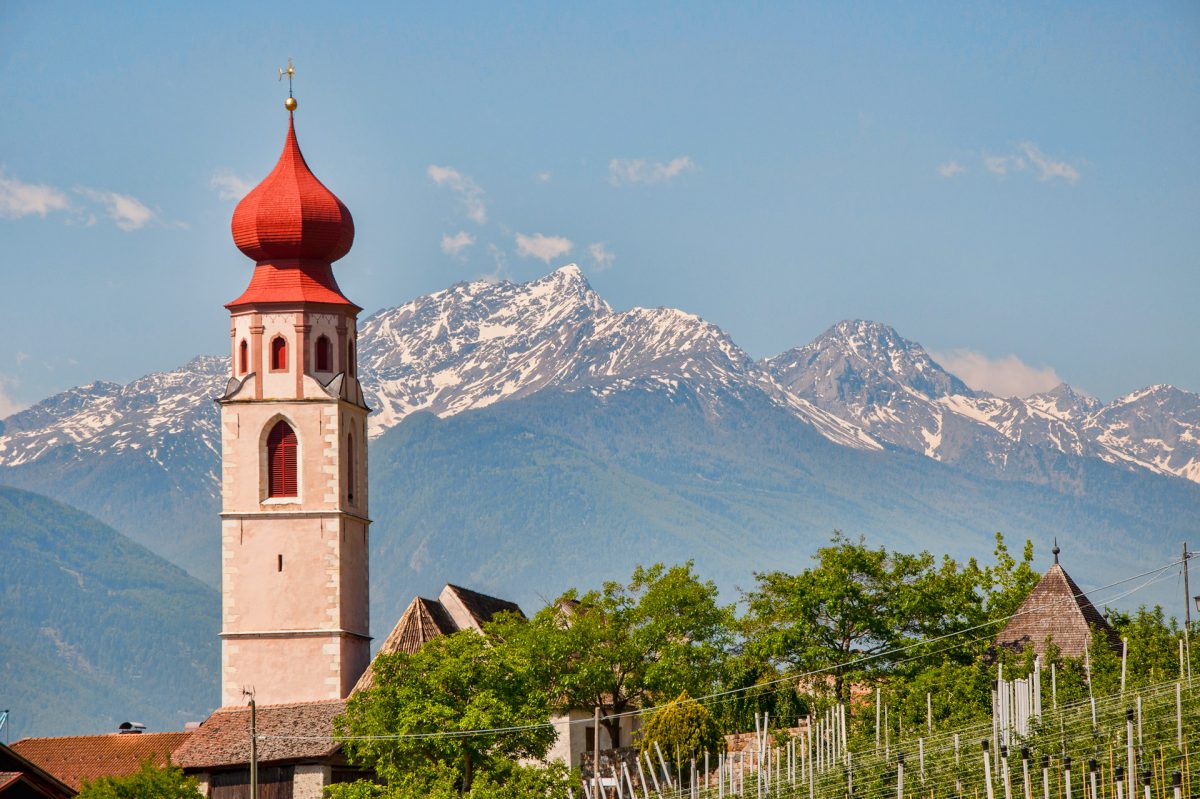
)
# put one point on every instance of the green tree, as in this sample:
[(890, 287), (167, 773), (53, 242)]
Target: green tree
[(457, 683), (629, 646), (856, 602), (682, 729), (148, 782)]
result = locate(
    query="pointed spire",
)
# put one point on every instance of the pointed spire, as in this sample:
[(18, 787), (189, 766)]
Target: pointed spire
[(1055, 550)]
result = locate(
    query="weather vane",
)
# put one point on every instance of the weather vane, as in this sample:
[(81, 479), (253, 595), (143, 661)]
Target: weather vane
[(290, 102)]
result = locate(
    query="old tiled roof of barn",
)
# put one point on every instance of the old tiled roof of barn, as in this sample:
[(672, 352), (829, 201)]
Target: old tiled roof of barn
[(20, 776), (1055, 608), (296, 731), (75, 758)]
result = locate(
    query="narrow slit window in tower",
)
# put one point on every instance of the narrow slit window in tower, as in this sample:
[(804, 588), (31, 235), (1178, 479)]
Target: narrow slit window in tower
[(243, 357), (350, 468)]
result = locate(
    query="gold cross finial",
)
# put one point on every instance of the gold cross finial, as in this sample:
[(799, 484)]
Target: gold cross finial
[(290, 102)]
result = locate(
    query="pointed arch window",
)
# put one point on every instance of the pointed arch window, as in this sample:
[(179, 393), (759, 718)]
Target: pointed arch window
[(243, 357), (281, 461), (350, 468), (278, 354), (324, 354)]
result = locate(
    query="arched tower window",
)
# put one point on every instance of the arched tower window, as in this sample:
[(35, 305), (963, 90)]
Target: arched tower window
[(243, 357), (281, 461), (278, 353), (324, 354), (352, 366), (350, 468)]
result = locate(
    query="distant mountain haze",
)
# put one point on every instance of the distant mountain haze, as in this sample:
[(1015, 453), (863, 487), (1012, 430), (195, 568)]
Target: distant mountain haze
[(96, 630), (527, 438)]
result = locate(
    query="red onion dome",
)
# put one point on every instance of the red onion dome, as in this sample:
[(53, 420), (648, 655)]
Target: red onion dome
[(291, 215)]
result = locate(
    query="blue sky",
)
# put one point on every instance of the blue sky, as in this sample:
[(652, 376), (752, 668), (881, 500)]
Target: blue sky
[(993, 180)]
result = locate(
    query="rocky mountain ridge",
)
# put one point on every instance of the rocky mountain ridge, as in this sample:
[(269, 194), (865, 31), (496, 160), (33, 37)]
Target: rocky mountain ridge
[(860, 384)]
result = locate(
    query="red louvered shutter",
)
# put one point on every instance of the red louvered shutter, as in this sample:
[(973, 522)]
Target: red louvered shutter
[(281, 461)]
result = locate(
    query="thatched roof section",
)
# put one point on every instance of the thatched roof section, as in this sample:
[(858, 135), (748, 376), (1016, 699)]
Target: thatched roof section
[(1056, 608)]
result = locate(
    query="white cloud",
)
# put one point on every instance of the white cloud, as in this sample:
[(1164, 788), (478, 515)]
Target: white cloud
[(1005, 377), (641, 171), (18, 198), (1048, 168), (601, 257), (1002, 164), (127, 212), (454, 245), (544, 248), (950, 169), (468, 191), (544, 176), (22, 357), (1026, 154), (500, 262), (229, 186), (8, 405)]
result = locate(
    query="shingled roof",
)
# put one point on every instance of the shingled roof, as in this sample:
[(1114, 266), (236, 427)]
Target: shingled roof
[(75, 758), (456, 608), (1056, 608), (289, 733)]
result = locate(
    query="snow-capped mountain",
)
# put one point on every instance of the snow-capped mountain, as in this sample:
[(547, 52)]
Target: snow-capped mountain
[(474, 344), (160, 416), (867, 374)]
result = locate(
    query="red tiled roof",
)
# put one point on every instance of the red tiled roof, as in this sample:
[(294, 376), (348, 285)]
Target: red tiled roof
[(292, 281), (291, 214), (76, 758), (8, 777), (291, 732)]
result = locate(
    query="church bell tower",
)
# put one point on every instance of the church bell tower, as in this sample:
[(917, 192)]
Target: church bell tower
[(294, 593)]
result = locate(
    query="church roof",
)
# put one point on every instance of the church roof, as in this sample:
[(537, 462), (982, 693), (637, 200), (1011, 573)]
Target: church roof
[(291, 214), (457, 608), (291, 732), (1056, 608), (294, 229), (75, 758)]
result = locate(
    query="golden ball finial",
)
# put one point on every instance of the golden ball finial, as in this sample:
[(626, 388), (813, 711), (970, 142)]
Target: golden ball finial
[(290, 103)]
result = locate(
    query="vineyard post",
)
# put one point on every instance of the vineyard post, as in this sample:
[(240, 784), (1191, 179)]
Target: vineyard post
[(987, 771), (900, 775), (1026, 788), (1130, 763)]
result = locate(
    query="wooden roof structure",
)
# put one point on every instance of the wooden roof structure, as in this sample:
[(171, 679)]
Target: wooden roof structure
[(456, 608), (1057, 609)]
